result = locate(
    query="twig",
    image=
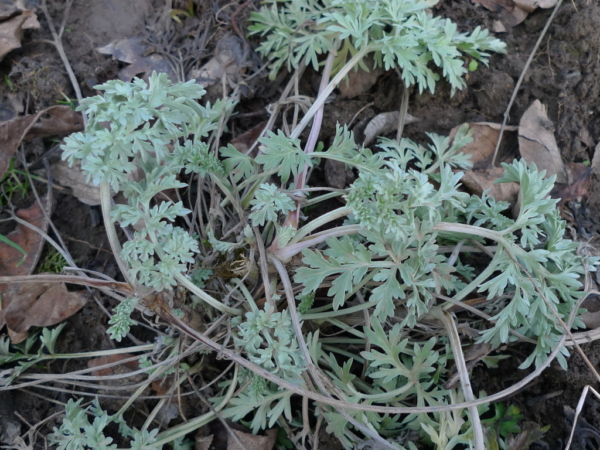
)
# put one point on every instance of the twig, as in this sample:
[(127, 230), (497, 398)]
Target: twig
[(63, 56)]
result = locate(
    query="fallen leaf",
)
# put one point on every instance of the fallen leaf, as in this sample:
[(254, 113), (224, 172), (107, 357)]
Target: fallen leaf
[(252, 441), (126, 367), (478, 181), (537, 144), (11, 31), (509, 12), (29, 240), (56, 120), (483, 145), (596, 159), (579, 183), (73, 177), (12, 262), (203, 442), (230, 59), (337, 174), (482, 176), (384, 123), (532, 5), (245, 141), (495, 5), (530, 432), (360, 81), (40, 305), (142, 62)]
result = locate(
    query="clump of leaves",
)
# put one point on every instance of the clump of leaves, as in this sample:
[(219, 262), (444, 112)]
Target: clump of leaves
[(397, 33), (372, 292)]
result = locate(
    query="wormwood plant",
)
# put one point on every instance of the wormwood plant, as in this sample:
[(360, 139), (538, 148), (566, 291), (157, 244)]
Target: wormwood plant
[(360, 316)]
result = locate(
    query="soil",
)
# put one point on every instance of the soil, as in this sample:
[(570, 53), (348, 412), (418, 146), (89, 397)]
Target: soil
[(564, 75)]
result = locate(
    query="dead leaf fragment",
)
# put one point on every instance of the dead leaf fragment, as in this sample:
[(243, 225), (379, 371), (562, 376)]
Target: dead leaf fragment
[(41, 305), (578, 186), (230, 59), (32, 243), (537, 144), (74, 178), (483, 176), (252, 441), (511, 14), (532, 5), (596, 159), (483, 145), (57, 120), (384, 123), (142, 62), (29, 240), (360, 81), (125, 367), (204, 442), (246, 140), (11, 31)]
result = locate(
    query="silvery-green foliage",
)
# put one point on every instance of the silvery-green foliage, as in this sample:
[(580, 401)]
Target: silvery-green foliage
[(269, 340), (399, 208), (268, 203), (399, 34), (121, 321), (78, 433), (139, 137)]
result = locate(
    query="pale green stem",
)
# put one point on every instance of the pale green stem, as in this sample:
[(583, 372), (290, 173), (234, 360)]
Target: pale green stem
[(111, 231), (339, 312), (323, 96), (319, 222), (286, 253)]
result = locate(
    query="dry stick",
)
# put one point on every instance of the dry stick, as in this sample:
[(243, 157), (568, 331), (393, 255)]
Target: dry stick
[(63, 55), (518, 85), (578, 411), (463, 372), (315, 372), (403, 109)]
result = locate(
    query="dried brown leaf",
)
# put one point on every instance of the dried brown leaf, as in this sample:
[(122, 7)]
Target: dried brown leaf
[(384, 123), (360, 81), (74, 178), (12, 262), (495, 5), (30, 241), (230, 59), (532, 5), (479, 181), (596, 159), (578, 186), (11, 31), (41, 305), (245, 141), (204, 442), (537, 144), (485, 138), (57, 120), (509, 12), (126, 367), (252, 441), (141, 64)]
